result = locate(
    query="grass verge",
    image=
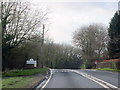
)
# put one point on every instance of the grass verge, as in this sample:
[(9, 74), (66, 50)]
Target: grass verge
[(24, 72), (16, 82), (22, 78), (0, 83), (109, 69)]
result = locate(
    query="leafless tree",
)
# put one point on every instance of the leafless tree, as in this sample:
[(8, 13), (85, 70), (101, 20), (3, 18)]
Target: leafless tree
[(19, 22), (92, 41)]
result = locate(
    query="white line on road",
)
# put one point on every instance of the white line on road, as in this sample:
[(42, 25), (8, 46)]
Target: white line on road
[(48, 79), (41, 84), (92, 79), (99, 81), (44, 83)]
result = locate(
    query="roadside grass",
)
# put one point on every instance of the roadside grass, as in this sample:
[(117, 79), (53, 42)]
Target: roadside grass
[(24, 72), (0, 83), (16, 82), (109, 69), (21, 78), (0, 80)]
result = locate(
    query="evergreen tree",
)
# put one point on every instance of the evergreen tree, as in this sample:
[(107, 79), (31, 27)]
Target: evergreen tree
[(114, 34)]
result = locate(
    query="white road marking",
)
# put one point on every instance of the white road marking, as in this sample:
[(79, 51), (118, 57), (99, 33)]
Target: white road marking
[(93, 80), (97, 80), (41, 84), (48, 79)]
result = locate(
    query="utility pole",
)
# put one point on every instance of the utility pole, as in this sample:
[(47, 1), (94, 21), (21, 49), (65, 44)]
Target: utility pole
[(42, 44), (43, 35)]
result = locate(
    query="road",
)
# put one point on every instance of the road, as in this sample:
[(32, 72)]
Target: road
[(64, 78), (110, 77)]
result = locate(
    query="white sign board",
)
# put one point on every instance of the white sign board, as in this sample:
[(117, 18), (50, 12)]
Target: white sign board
[(31, 61)]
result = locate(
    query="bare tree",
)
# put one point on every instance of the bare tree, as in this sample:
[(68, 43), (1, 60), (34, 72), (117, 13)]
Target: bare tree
[(18, 22), (92, 41)]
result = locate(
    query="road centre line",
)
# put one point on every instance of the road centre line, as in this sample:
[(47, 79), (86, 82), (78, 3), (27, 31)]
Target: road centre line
[(99, 81)]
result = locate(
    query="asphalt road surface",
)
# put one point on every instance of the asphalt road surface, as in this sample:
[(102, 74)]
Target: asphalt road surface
[(71, 79), (65, 78), (68, 79), (110, 77)]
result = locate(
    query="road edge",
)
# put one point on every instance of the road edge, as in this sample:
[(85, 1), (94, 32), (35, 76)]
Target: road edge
[(44, 82), (45, 78)]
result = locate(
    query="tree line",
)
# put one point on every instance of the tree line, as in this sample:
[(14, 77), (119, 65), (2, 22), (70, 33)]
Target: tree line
[(19, 25), (98, 42), (23, 37)]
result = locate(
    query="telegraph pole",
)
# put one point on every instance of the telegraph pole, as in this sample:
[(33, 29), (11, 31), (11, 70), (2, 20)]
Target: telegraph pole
[(42, 44), (43, 35)]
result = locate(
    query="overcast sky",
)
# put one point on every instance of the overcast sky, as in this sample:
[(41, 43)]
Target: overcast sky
[(66, 17)]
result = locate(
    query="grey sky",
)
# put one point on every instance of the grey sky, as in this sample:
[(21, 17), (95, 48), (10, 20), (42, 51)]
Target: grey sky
[(66, 17)]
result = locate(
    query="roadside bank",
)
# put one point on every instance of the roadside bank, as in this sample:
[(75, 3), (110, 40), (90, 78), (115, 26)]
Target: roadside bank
[(27, 78)]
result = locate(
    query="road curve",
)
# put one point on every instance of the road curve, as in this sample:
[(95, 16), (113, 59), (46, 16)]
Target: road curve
[(63, 78)]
